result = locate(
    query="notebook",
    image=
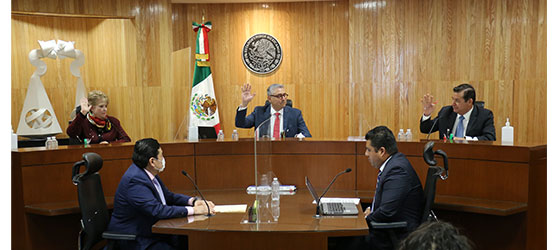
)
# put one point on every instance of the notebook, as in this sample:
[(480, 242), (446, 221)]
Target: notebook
[(331, 208)]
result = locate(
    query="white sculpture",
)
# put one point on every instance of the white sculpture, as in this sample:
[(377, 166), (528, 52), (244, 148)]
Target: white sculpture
[(37, 116)]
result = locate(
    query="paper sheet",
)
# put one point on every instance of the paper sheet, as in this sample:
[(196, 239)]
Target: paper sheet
[(230, 208)]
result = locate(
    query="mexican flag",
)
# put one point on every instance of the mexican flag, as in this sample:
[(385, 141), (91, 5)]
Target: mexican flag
[(203, 105)]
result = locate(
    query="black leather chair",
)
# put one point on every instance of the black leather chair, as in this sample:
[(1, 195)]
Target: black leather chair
[(434, 173), (288, 103), (95, 216), (480, 104)]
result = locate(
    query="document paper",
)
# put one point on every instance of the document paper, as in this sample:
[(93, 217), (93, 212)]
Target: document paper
[(230, 208)]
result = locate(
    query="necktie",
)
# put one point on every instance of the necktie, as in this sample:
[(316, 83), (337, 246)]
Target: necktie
[(460, 129), (159, 190), (276, 133), (376, 186)]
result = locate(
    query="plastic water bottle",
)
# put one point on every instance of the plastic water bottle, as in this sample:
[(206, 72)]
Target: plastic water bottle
[(220, 136), (48, 143), (275, 189), (408, 135), (400, 136), (55, 142), (275, 196), (235, 135), (14, 141), (507, 134)]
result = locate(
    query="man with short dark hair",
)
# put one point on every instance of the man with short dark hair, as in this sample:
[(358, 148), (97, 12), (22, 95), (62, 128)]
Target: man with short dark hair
[(462, 118), (284, 120), (437, 235), (398, 193), (142, 199)]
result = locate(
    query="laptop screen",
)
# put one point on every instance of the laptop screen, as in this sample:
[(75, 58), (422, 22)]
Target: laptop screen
[(311, 190)]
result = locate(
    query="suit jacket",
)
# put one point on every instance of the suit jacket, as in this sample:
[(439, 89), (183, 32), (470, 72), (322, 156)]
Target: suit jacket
[(481, 123), (81, 128), (293, 120), (399, 197), (138, 206)]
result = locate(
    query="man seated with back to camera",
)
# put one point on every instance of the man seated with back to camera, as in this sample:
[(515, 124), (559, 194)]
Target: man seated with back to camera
[(142, 199), (462, 118), (283, 119)]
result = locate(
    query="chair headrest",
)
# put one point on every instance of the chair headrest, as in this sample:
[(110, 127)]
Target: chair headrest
[(93, 163), (288, 103)]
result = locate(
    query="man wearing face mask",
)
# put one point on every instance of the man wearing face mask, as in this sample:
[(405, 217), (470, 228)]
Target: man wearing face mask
[(142, 199)]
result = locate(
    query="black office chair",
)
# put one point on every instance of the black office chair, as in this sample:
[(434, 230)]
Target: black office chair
[(480, 104), (95, 216), (434, 173), (288, 103)]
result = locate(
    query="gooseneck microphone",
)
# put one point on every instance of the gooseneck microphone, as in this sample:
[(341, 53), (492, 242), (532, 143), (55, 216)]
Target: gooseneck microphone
[(433, 125), (348, 170), (198, 190)]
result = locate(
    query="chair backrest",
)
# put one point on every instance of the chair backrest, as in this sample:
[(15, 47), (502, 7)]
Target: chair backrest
[(95, 217), (288, 103), (480, 104), (430, 191)]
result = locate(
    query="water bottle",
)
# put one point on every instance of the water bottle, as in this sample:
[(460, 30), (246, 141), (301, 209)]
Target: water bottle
[(408, 135), (14, 141), (48, 143), (235, 135), (400, 136), (55, 142), (275, 189), (275, 197), (220, 136)]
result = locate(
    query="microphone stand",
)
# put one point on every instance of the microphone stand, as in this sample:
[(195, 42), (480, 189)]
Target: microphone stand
[(198, 190), (433, 125)]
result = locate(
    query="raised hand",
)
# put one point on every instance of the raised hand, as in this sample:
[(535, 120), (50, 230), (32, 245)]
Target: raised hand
[(85, 106), (428, 104), (246, 95)]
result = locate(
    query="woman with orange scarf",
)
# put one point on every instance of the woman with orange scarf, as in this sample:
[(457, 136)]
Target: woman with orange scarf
[(93, 123)]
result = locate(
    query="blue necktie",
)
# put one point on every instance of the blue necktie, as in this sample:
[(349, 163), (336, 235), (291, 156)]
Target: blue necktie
[(460, 128), (159, 190), (376, 186)]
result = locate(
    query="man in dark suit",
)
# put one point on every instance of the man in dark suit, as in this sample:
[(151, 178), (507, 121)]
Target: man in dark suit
[(142, 199), (463, 119), (398, 193), (284, 119)]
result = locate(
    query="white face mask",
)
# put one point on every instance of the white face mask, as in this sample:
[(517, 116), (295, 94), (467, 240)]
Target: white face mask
[(162, 165)]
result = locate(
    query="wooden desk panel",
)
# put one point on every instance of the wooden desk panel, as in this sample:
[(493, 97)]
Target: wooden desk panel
[(505, 180), (53, 183)]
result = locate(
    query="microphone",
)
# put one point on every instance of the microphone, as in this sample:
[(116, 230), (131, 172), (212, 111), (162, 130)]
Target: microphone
[(198, 190), (433, 125), (348, 170)]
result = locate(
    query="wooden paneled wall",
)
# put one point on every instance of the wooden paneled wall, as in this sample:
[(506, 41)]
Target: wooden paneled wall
[(404, 49), (314, 69), (348, 65)]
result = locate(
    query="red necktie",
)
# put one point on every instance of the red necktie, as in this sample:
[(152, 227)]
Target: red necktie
[(276, 133)]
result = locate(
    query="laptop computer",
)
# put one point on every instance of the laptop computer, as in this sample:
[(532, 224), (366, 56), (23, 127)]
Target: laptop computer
[(331, 208)]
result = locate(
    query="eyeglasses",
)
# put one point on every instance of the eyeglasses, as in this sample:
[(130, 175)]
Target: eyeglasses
[(279, 96)]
